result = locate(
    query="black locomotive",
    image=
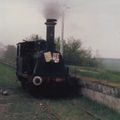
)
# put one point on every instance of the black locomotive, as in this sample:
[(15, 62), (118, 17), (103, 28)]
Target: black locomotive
[(38, 62)]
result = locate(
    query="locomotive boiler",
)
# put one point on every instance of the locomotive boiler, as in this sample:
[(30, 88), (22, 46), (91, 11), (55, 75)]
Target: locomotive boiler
[(38, 62)]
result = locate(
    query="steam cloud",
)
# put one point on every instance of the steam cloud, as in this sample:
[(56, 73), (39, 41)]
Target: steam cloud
[(52, 10)]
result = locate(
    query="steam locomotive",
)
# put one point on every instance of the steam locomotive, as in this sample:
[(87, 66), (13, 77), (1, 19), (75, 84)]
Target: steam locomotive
[(38, 62)]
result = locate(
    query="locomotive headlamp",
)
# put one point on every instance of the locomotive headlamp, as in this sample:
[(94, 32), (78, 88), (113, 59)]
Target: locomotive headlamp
[(37, 80)]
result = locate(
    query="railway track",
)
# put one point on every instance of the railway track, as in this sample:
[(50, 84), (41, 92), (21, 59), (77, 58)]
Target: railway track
[(46, 108), (59, 108), (69, 106)]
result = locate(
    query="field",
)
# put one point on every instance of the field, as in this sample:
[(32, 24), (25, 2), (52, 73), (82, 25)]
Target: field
[(111, 64), (109, 71), (19, 105), (100, 74)]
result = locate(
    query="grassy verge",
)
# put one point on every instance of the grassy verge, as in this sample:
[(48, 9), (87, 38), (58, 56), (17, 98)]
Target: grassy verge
[(100, 74), (19, 105), (7, 76), (68, 110), (104, 112), (78, 108)]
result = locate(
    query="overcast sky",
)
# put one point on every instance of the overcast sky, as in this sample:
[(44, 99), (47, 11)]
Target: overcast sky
[(95, 22)]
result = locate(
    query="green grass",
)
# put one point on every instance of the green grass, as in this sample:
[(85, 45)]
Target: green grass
[(24, 107), (104, 112), (19, 105), (97, 73), (7, 76), (75, 109), (68, 110)]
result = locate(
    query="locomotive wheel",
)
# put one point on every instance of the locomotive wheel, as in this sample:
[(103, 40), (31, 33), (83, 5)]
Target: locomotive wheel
[(37, 80)]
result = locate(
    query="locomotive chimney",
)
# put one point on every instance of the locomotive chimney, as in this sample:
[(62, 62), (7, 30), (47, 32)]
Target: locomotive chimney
[(50, 34)]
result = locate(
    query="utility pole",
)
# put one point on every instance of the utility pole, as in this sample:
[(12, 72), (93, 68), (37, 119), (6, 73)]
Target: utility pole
[(62, 28), (62, 33)]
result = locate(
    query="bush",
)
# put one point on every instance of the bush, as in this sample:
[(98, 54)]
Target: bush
[(74, 54)]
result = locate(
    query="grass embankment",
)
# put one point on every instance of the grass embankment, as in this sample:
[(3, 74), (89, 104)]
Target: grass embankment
[(100, 74), (19, 105)]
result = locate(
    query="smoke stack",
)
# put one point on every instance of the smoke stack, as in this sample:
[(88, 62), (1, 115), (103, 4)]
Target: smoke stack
[(50, 23)]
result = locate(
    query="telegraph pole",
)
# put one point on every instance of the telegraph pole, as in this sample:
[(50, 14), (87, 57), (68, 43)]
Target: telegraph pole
[(62, 33), (62, 29)]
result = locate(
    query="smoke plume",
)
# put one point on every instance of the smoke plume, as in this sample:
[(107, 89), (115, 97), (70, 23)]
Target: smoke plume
[(52, 10)]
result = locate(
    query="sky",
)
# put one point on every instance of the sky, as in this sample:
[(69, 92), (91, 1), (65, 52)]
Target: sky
[(95, 22)]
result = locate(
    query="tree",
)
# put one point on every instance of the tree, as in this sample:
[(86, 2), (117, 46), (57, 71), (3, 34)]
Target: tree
[(10, 53), (72, 51), (2, 49), (74, 54)]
